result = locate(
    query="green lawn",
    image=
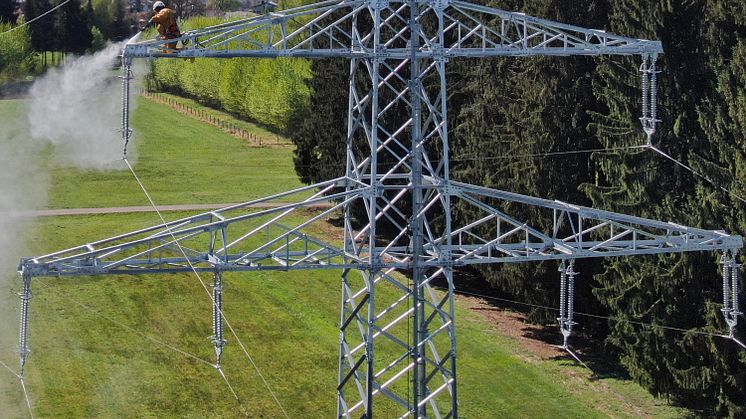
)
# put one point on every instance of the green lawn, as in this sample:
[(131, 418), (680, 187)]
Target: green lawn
[(181, 161), (267, 136), (91, 356)]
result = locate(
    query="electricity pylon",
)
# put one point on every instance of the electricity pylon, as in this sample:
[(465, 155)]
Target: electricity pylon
[(396, 354)]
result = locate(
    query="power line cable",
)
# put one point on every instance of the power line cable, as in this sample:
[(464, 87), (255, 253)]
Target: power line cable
[(473, 159), (635, 322), (209, 294), (230, 387), (550, 154), (128, 328), (577, 358), (37, 18), (696, 173), (8, 368), (204, 286), (738, 342), (28, 399)]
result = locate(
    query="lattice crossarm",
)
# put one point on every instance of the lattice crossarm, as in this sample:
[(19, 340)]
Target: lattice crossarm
[(577, 232), (204, 240), (473, 31), (272, 35), (517, 34), (466, 189)]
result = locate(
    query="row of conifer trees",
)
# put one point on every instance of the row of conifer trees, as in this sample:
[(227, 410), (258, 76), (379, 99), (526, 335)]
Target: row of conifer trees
[(517, 106)]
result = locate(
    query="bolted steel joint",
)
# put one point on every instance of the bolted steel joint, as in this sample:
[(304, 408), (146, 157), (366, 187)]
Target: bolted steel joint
[(377, 4)]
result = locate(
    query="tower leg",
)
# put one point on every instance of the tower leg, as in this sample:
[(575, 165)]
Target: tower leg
[(25, 295), (217, 338), (355, 354)]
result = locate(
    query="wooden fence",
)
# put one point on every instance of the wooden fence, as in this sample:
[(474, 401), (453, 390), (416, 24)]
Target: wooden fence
[(217, 121)]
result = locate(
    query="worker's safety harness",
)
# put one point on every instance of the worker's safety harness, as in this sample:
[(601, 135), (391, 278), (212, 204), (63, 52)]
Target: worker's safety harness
[(172, 32)]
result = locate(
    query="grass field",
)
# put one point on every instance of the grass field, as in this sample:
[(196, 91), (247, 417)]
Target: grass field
[(98, 343), (181, 161)]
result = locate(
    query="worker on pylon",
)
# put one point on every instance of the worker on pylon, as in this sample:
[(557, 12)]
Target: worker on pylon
[(165, 18)]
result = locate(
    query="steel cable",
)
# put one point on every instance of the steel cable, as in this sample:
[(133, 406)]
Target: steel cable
[(230, 327), (230, 387), (28, 400), (596, 316), (128, 328), (36, 18), (724, 189), (8, 368), (550, 154), (469, 159)]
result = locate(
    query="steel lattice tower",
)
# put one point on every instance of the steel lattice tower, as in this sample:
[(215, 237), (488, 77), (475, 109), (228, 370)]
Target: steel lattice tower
[(396, 355)]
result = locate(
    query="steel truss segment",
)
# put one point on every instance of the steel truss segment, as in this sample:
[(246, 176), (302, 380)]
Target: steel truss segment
[(577, 232), (406, 329), (520, 34), (264, 234), (326, 29), (377, 313)]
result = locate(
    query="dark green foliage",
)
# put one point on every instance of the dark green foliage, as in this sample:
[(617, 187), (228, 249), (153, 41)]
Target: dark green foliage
[(320, 131), (503, 108), (110, 18), (73, 28), (67, 29), (514, 107), (700, 108), (6, 11), (120, 26), (15, 52), (42, 30)]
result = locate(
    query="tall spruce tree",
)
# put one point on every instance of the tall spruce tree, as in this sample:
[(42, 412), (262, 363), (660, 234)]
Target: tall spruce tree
[(73, 28), (514, 107), (694, 370), (503, 109), (319, 132), (42, 30)]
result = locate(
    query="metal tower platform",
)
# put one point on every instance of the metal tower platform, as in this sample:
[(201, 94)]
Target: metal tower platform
[(407, 240)]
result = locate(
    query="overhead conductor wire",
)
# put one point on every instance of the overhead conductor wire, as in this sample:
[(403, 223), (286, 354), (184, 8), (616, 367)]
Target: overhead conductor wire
[(23, 386), (597, 316), (28, 400), (8, 368), (37, 18), (128, 328), (227, 323), (724, 189), (546, 154)]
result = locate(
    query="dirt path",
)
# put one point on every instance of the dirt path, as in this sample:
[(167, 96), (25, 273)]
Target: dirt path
[(121, 210)]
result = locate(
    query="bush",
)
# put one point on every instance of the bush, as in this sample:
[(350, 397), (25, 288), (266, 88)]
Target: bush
[(98, 40), (15, 53), (261, 90)]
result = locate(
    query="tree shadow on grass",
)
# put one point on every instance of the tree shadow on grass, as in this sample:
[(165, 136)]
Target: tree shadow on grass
[(592, 354)]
